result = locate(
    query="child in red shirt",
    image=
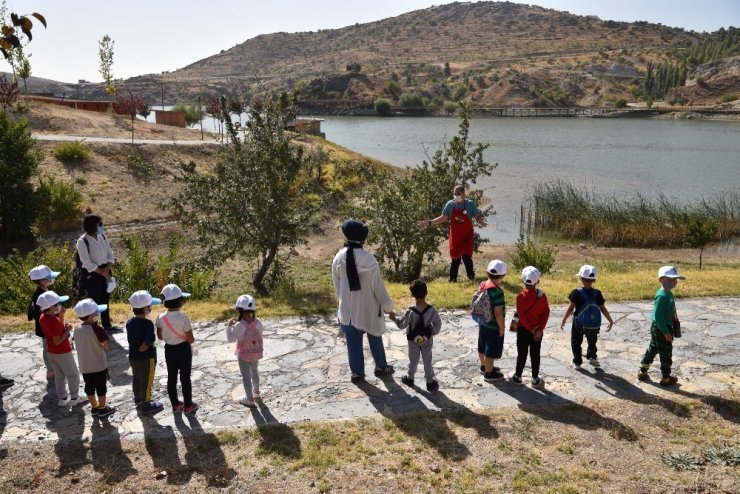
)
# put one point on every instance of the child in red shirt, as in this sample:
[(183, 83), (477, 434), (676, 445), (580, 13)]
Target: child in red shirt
[(57, 334), (533, 311)]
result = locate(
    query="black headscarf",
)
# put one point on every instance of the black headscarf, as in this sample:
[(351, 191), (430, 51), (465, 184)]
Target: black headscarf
[(356, 234)]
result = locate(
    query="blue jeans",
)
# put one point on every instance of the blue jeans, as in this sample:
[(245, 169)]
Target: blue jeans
[(355, 352)]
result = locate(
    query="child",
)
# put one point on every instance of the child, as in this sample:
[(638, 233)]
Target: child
[(491, 334), (663, 327), (57, 334), (142, 354), (422, 322), (246, 330), (533, 311), (43, 277), (588, 303), (173, 327), (91, 354)]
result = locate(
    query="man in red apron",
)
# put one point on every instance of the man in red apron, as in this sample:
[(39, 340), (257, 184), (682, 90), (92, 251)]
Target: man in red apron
[(460, 212)]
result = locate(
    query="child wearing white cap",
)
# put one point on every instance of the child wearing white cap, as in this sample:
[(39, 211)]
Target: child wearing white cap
[(246, 331), (533, 312), (57, 332), (142, 354), (664, 328), (174, 328), (91, 354), (43, 277), (491, 334), (588, 304)]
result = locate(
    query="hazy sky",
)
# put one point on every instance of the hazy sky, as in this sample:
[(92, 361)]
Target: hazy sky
[(157, 35)]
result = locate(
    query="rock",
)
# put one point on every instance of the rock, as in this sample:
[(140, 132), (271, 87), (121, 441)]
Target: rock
[(161, 475)]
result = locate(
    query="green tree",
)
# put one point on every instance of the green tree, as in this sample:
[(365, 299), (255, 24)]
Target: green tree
[(194, 113), (23, 68), (382, 107), (447, 70), (258, 201), (393, 204), (19, 163), (697, 233), (105, 54)]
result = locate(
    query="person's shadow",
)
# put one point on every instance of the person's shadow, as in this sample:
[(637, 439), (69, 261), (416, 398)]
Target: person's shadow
[(107, 454), (203, 453), (3, 424), (118, 363), (412, 417), (275, 437), (462, 415), (69, 448), (161, 444), (727, 408)]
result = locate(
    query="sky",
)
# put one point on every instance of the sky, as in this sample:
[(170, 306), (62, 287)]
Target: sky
[(164, 35)]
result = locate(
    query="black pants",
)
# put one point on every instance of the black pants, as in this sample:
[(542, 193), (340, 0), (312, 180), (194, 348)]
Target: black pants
[(97, 289), (455, 267), (96, 383), (179, 359), (525, 344), (576, 340)]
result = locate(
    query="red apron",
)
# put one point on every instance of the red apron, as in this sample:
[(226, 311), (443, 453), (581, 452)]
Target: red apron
[(461, 233)]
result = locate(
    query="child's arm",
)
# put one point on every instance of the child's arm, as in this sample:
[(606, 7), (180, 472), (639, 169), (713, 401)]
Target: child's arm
[(191, 338), (404, 321), (159, 331), (608, 317), (498, 314), (567, 314), (231, 331), (105, 344), (436, 322), (58, 339)]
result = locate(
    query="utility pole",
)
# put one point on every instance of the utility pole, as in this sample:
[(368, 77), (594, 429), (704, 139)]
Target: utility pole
[(201, 119), (161, 83)]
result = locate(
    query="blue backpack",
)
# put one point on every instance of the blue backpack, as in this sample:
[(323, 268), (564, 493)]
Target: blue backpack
[(589, 316)]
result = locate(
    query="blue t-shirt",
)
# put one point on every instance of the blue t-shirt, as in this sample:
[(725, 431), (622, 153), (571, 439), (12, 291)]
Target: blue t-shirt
[(138, 331), (468, 205)]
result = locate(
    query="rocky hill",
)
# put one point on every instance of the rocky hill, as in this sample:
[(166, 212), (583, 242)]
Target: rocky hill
[(488, 53)]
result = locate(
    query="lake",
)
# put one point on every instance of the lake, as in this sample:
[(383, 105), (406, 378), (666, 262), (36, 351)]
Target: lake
[(682, 159)]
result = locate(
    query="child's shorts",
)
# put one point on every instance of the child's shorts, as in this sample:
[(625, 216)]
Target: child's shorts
[(96, 383), (490, 343)]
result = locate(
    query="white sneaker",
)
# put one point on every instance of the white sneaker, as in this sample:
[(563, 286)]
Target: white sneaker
[(76, 401), (247, 402), (594, 362), (64, 401), (575, 366)]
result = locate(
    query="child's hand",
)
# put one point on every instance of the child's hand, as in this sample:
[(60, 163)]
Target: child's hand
[(668, 337), (562, 325), (231, 322), (609, 326), (143, 347), (392, 315), (68, 327)]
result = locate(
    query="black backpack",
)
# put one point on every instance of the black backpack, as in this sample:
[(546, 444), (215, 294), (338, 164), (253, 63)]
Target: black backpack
[(80, 274), (419, 329)]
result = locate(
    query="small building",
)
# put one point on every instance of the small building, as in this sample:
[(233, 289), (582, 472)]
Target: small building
[(306, 125), (77, 104), (172, 118)]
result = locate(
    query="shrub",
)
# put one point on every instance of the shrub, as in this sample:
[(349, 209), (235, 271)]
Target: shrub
[(72, 151), (140, 166), (193, 113), (60, 206), (528, 253), (382, 107), (134, 272), (412, 100)]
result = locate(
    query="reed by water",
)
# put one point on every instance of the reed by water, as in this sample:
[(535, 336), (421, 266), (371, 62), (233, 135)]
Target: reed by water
[(562, 208)]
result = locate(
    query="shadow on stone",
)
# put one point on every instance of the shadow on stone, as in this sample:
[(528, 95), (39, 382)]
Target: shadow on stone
[(107, 454), (161, 444), (275, 438), (462, 416), (3, 424), (203, 452), (412, 417), (118, 364)]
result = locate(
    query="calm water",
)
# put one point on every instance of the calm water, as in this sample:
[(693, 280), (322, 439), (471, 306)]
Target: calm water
[(682, 159)]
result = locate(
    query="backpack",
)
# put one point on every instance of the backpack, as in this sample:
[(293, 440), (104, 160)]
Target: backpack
[(249, 346), (419, 329), (480, 308), (80, 274), (589, 316)]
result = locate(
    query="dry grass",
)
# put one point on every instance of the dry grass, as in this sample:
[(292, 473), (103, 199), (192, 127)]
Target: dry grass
[(611, 446)]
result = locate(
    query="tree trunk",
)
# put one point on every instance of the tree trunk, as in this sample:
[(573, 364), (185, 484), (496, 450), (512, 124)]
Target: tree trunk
[(132, 128), (259, 277), (701, 253)]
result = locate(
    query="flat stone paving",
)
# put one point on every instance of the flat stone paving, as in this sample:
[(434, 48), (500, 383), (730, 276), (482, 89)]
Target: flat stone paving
[(305, 375)]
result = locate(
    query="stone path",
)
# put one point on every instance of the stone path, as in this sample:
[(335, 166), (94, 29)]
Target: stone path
[(305, 375)]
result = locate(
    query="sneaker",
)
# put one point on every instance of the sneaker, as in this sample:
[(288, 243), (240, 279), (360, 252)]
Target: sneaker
[(642, 375), (516, 379), (668, 380), (493, 376), (63, 402), (105, 411), (408, 381), (150, 408), (191, 409), (575, 366), (537, 381), (247, 402), (178, 407), (356, 378), (5, 383), (483, 369), (76, 400), (49, 375), (594, 363), (138, 401), (432, 386), (384, 372)]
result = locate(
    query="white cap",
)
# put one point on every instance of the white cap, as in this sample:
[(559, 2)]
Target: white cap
[(87, 307), (670, 272), (111, 285), (142, 299), (42, 272), (50, 299), (246, 302), (530, 275), (587, 272), (172, 292), (496, 267)]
